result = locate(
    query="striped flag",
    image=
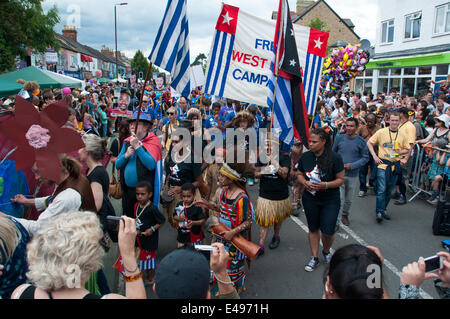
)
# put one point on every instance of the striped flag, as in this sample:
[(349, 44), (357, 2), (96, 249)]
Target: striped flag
[(289, 117), (171, 48), (312, 70), (222, 51)]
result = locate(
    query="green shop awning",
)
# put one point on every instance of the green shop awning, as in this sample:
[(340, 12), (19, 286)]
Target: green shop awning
[(8, 88), (420, 60), (46, 79)]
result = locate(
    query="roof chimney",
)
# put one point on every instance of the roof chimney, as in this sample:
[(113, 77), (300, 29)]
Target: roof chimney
[(303, 4), (70, 32)]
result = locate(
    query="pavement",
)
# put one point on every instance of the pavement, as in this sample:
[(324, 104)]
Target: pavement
[(280, 274)]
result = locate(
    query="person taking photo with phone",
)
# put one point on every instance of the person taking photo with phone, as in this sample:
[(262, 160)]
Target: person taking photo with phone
[(414, 274)]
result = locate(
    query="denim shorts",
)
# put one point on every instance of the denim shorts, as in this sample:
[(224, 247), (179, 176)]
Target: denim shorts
[(321, 215)]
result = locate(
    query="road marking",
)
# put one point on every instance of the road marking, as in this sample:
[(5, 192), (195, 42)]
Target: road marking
[(361, 241)]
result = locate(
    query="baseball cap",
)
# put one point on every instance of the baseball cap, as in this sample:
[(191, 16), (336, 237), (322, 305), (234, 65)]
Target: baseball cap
[(182, 274)]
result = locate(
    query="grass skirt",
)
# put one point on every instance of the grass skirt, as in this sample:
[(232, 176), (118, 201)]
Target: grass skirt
[(270, 212)]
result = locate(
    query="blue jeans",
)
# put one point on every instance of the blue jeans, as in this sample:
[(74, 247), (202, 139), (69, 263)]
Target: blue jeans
[(363, 171), (386, 181)]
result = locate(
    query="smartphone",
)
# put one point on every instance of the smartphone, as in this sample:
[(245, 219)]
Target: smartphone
[(113, 222), (433, 263)]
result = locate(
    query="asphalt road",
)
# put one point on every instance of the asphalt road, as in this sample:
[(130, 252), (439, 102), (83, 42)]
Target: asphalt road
[(280, 274)]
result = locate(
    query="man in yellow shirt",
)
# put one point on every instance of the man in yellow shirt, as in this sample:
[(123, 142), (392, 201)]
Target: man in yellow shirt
[(408, 129), (392, 145)]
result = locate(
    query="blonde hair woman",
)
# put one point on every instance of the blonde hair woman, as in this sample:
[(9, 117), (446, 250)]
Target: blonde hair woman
[(169, 127), (13, 258), (66, 250)]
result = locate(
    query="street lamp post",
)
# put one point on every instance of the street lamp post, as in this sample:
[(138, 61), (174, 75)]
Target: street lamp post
[(115, 24)]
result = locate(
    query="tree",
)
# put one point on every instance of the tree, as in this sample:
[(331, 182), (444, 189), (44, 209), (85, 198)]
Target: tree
[(318, 25), (24, 25), (200, 60), (140, 63)]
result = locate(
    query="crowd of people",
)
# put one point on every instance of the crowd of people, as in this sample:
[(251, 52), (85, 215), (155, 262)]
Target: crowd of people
[(356, 141)]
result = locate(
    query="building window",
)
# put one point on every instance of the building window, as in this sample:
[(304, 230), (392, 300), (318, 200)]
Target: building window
[(442, 19), (384, 72), (422, 85), (368, 85), (359, 85), (394, 84), (442, 69), (408, 86), (383, 85), (369, 72), (412, 25), (424, 70), (387, 31), (409, 71)]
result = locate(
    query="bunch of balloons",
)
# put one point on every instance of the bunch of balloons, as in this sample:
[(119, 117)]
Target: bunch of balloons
[(344, 64)]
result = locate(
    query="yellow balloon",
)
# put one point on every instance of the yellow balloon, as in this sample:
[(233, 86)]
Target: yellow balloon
[(345, 58), (349, 63)]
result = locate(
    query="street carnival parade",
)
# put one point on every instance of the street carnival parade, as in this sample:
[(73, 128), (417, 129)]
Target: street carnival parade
[(295, 159)]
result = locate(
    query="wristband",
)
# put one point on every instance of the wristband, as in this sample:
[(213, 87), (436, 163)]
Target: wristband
[(153, 228), (132, 278), (224, 282)]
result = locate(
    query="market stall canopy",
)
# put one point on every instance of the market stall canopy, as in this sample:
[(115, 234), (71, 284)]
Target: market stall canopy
[(46, 79), (102, 80), (8, 88)]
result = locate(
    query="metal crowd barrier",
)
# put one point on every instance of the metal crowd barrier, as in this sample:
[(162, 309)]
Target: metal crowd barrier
[(419, 160)]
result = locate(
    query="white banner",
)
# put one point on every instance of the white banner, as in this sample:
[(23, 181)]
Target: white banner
[(241, 53)]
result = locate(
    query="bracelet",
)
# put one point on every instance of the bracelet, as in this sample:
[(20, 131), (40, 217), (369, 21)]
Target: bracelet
[(132, 278), (326, 185), (153, 228), (224, 282), (130, 271)]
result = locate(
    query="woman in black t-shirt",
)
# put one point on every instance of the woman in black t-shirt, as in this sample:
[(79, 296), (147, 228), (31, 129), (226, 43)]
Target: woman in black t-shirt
[(273, 205), (180, 169), (321, 172), (92, 154)]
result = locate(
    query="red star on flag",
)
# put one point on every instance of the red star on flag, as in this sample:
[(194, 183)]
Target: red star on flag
[(317, 42), (227, 21)]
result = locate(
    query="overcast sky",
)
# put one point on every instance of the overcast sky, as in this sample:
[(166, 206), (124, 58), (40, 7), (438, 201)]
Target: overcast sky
[(138, 22)]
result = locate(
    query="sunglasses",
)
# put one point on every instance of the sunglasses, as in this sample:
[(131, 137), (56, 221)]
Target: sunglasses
[(171, 113)]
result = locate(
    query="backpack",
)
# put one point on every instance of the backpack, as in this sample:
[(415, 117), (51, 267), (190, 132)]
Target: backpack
[(441, 218)]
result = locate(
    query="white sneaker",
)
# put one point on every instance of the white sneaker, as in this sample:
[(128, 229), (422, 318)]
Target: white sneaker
[(362, 194)]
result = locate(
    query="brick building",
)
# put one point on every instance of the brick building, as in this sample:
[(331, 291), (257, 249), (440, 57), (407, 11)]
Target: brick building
[(339, 28)]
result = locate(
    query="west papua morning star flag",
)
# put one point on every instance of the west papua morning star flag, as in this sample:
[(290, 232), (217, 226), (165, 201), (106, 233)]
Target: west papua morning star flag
[(290, 118), (241, 52)]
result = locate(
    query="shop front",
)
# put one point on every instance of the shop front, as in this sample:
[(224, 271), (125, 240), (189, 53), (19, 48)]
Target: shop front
[(408, 75)]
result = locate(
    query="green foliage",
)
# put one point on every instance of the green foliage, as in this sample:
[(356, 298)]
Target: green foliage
[(140, 63), (200, 60), (23, 24), (318, 25)]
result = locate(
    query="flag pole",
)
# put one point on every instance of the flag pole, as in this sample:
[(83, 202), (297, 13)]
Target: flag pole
[(276, 69), (142, 96)]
